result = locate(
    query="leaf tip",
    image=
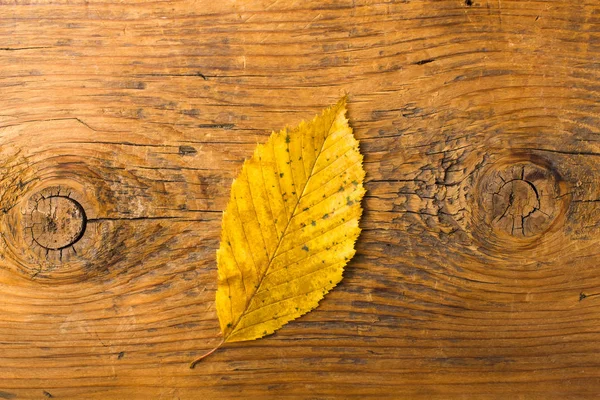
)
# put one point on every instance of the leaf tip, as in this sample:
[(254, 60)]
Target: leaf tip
[(340, 106)]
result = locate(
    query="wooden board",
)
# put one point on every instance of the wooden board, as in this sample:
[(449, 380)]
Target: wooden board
[(122, 125)]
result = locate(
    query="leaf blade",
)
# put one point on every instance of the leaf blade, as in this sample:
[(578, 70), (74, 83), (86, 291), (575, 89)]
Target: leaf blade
[(290, 225)]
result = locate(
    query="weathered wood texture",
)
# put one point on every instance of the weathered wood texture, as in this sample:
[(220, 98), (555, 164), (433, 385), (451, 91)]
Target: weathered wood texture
[(124, 123)]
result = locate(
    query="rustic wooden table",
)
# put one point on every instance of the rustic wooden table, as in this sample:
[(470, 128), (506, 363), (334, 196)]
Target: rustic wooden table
[(122, 125)]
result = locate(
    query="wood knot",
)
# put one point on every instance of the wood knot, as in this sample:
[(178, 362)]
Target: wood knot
[(48, 235), (520, 200), (56, 222)]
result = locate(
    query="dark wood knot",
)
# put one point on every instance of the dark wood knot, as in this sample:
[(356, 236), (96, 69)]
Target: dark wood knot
[(56, 222), (520, 199)]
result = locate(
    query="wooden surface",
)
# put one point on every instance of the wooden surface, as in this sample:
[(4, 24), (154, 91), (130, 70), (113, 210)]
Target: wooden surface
[(124, 123)]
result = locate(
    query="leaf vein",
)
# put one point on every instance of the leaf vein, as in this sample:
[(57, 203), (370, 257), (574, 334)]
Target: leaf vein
[(314, 237), (277, 173), (280, 316), (262, 235), (244, 232), (292, 280), (226, 230), (262, 173)]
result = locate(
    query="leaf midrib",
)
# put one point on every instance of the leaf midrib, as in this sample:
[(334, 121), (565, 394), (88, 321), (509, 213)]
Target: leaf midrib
[(283, 233)]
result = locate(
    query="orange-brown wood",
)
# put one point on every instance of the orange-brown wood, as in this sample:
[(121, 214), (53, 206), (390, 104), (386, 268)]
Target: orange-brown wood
[(122, 125)]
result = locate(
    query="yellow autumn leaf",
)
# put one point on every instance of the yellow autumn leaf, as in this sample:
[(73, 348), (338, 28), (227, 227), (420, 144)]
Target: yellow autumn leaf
[(290, 226)]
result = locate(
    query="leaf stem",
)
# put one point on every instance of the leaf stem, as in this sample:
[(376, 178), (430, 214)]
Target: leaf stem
[(197, 360)]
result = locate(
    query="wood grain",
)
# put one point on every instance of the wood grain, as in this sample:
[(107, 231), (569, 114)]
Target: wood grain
[(476, 272)]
